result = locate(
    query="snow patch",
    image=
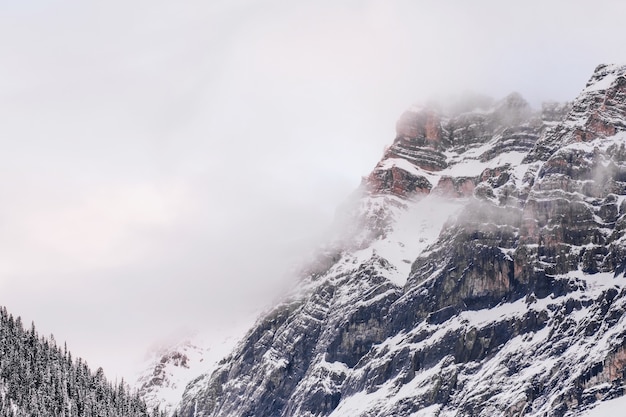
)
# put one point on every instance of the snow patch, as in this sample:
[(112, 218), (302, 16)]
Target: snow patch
[(474, 167), (615, 407), (607, 80), (415, 229)]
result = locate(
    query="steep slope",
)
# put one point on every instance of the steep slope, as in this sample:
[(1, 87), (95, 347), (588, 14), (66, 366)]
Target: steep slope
[(169, 368), (481, 274), (37, 378), (163, 380)]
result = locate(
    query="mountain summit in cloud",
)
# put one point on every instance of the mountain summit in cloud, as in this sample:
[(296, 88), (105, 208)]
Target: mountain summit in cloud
[(478, 271)]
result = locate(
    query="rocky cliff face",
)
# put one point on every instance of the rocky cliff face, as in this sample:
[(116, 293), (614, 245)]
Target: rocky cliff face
[(482, 275)]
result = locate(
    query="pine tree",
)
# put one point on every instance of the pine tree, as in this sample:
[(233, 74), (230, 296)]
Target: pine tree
[(38, 378)]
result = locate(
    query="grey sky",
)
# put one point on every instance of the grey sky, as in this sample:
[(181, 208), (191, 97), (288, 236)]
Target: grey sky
[(160, 161)]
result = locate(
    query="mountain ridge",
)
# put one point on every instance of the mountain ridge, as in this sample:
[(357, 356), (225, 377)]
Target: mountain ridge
[(508, 300)]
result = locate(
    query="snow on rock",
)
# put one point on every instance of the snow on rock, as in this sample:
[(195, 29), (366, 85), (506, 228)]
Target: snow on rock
[(478, 271), (414, 230), (615, 407), (168, 369), (604, 77)]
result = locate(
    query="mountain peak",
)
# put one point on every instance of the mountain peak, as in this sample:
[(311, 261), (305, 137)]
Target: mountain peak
[(488, 277), (513, 101), (429, 144), (605, 76), (599, 111)]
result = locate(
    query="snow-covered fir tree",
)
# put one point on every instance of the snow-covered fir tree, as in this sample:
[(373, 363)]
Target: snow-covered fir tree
[(38, 378)]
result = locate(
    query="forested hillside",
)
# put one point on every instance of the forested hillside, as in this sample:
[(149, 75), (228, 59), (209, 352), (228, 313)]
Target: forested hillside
[(39, 378)]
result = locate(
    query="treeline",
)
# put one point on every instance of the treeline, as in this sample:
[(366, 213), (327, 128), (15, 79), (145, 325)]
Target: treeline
[(38, 378)]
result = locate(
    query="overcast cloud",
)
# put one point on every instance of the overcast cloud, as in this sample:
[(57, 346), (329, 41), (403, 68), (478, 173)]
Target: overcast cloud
[(161, 163)]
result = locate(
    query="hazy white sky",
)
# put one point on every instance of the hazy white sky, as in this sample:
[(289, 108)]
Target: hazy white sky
[(160, 161)]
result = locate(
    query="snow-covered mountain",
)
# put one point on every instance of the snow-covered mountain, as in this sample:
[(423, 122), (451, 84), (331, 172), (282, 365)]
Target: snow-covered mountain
[(478, 271), (168, 368)]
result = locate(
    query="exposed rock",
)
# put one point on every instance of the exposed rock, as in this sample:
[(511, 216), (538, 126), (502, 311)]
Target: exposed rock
[(456, 186), (397, 181), (516, 308)]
